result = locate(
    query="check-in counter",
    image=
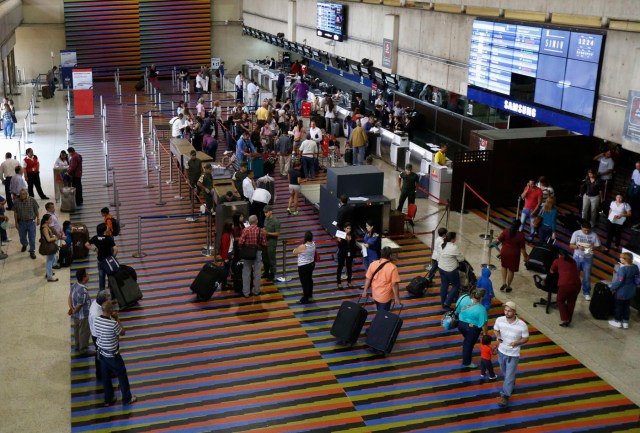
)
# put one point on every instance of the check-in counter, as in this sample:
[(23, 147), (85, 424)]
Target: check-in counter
[(440, 179), (181, 150)]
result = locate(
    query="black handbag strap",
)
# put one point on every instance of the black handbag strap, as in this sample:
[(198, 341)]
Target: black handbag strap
[(377, 270)]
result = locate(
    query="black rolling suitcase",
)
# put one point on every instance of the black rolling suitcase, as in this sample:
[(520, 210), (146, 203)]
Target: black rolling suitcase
[(336, 129), (129, 270), (79, 237), (383, 331), (207, 281), (418, 286), (602, 302), (349, 322), (124, 288), (541, 258), (348, 156)]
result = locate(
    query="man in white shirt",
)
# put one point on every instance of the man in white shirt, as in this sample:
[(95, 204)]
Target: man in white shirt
[(200, 84), (252, 95), (259, 200), (308, 150), (315, 133), (248, 186), (7, 170), (605, 168), (177, 126), (582, 243), (511, 333), (239, 82), (95, 310)]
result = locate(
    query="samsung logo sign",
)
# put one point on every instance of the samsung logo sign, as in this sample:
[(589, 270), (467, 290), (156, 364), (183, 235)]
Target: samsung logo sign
[(520, 108)]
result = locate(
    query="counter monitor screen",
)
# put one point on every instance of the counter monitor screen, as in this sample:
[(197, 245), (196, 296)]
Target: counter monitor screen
[(547, 73), (330, 21)]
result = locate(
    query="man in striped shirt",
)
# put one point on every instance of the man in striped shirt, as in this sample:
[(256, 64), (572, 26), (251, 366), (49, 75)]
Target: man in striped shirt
[(108, 330)]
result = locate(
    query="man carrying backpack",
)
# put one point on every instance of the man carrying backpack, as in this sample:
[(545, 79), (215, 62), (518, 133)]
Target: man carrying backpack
[(113, 225)]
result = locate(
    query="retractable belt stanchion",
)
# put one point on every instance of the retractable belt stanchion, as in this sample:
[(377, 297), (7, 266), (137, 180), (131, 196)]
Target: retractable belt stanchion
[(170, 181), (209, 249), (146, 171), (284, 277), (160, 201), (179, 196), (173, 108), (116, 196), (135, 103), (194, 216), (143, 145), (139, 254), (26, 132), (488, 264)]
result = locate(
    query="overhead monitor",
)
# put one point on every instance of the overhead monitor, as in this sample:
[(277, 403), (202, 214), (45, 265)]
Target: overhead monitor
[(547, 73), (330, 20)]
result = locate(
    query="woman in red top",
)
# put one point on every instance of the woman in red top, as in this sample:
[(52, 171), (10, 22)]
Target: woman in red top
[(568, 285), (513, 244), (32, 167)]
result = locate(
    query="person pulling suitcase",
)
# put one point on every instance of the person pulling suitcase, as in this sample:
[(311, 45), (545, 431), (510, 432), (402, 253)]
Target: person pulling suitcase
[(383, 279)]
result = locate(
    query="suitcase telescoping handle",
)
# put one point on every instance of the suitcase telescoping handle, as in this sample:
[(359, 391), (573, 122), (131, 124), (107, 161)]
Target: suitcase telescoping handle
[(365, 300), (400, 310)]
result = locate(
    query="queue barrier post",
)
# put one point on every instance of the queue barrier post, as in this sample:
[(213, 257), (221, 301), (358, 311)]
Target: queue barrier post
[(135, 103), (194, 216), (179, 196), (284, 278), (139, 254), (160, 201), (488, 264), (170, 181), (209, 250), (146, 170), (26, 132), (486, 235), (116, 197)]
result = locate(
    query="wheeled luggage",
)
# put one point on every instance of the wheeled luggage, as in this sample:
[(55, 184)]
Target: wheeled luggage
[(68, 199), (336, 129), (256, 164), (206, 281), (124, 288), (348, 156), (46, 92), (541, 258), (269, 184), (65, 256), (79, 237), (383, 331), (139, 84), (418, 286), (349, 322), (128, 269), (602, 301)]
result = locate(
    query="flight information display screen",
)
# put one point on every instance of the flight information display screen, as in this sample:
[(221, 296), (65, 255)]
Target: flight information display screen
[(537, 66), (330, 21)]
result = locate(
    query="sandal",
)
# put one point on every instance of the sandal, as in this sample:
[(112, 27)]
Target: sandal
[(503, 287), (508, 289)]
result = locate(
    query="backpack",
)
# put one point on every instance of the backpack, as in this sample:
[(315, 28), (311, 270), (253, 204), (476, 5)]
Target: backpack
[(115, 224)]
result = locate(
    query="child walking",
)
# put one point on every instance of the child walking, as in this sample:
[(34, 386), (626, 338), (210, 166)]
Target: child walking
[(486, 351)]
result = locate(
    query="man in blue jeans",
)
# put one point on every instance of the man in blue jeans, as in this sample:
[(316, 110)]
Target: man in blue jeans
[(108, 330), (25, 211), (582, 243), (511, 333)]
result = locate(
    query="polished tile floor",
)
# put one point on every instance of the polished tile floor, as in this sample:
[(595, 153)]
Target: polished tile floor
[(34, 336)]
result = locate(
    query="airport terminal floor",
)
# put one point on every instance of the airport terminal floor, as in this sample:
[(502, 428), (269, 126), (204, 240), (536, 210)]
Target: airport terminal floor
[(267, 363)]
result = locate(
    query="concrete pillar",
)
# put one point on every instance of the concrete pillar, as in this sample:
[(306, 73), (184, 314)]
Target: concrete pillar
[(291, 20), (389, 52)]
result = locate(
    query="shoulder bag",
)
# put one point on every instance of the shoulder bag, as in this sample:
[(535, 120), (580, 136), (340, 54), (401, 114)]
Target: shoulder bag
[(450, 319), (47, 248), (248, 252)]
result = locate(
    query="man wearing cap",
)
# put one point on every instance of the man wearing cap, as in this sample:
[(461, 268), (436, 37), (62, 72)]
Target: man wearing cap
[(511, 333), (75, 171), (272, 229), (407, 181)]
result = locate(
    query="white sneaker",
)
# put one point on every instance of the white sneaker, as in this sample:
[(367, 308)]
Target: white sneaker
[(587, 297), (615, 324), (625, 325)]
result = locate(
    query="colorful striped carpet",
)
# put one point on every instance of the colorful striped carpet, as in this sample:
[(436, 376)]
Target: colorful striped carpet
[(268, 364)]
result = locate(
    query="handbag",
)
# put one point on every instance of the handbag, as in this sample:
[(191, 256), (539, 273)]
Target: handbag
[(537, 220), (47, 248), (450, 320), (248, 252), (14, 119), (316, 257)]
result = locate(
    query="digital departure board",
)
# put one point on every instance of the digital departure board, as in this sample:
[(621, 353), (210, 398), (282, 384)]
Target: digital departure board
[(539, 67), (330, 21)]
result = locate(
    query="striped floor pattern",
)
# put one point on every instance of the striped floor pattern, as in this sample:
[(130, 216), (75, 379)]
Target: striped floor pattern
[(268, 364)]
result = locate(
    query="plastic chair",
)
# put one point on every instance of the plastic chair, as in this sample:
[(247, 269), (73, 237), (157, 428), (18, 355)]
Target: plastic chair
[(412, 210)]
